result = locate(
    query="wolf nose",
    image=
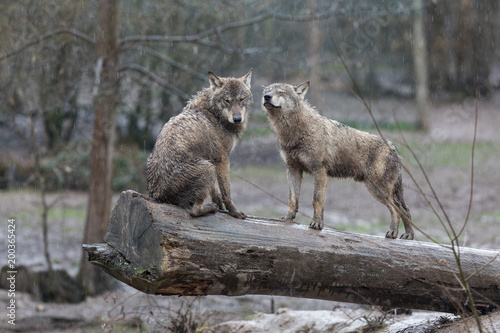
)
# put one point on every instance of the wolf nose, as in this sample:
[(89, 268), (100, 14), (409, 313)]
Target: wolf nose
[(267, 98), (237, 119)]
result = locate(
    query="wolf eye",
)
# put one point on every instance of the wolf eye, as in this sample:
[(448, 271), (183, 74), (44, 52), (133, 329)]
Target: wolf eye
[(227, 101)]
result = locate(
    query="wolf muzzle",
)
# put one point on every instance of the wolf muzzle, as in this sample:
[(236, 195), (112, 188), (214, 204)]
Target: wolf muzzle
[(237, 118), (267, 101), (236, 115)]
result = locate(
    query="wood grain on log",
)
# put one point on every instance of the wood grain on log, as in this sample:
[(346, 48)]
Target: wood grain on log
[(160, 249)]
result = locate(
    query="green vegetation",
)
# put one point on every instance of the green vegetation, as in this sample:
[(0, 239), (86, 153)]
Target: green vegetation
[(18, 216), (67, 213), (448, 154), (260, 117), (256, 132), (384, 126), (259, 126), (490, 217)]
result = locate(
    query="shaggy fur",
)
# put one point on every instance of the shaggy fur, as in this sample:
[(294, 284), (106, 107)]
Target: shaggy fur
[(190, 160), (326, 148)]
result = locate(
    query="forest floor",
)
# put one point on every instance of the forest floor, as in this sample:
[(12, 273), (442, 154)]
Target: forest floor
[(259, 188)]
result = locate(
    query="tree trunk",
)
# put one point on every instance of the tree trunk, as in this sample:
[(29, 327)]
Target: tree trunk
[(105, 103), (475, 52), (314, 58), (420, 66), (160, 249)]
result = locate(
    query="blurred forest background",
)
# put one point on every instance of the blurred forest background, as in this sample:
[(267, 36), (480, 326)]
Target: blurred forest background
[(85, 86), (165, 49)]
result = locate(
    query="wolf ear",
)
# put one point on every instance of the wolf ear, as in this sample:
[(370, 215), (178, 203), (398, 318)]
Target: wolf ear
[(301, 89), (215, 81), (247, 78)]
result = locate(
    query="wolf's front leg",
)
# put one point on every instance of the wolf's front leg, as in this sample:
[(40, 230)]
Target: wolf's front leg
[(216, 197), (320, 184), (225, 189), (294, 177)]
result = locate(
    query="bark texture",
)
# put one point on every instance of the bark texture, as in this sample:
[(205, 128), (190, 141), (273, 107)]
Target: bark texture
[(419, 46), (105, 103), (160, 249)]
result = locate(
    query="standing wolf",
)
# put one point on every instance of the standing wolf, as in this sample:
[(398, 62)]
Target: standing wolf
[(192, 150), (324, 147)]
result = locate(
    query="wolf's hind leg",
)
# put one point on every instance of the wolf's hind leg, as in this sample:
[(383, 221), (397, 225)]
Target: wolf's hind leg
[(200, 209), (392, 197), (384, 194), (199, 183), (394, 226), (406, 217), (403, 210)]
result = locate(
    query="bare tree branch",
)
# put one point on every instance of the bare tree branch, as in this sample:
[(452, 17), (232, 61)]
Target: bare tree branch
[(162, 82), (473, 149), (232, 50), (48, 35), (196, 37), (232, 25), (174, 63)]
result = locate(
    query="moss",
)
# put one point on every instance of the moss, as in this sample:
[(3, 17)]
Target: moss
[(138, 270)]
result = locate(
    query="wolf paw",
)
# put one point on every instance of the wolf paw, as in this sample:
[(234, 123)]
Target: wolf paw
[(289, 217), (287, 220), (316, 224), (211, 207), (218, 202), (392, 234), (238, 214), (407, 235)]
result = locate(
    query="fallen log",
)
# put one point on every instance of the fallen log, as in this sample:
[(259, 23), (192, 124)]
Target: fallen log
[(160, 249)]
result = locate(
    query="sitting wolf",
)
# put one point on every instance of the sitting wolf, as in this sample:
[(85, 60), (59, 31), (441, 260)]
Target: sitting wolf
[(190, 160), (322, 147)]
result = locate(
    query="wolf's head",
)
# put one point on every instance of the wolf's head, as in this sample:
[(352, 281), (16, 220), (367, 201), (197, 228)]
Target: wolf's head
[(231, 97), (283, 97)]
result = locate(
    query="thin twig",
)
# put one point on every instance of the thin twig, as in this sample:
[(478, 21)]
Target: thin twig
[(228, 26), (174, 63), (454, 241), (484, 266), (164, 83), (356, 90), (45, 36), (471, 196)]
